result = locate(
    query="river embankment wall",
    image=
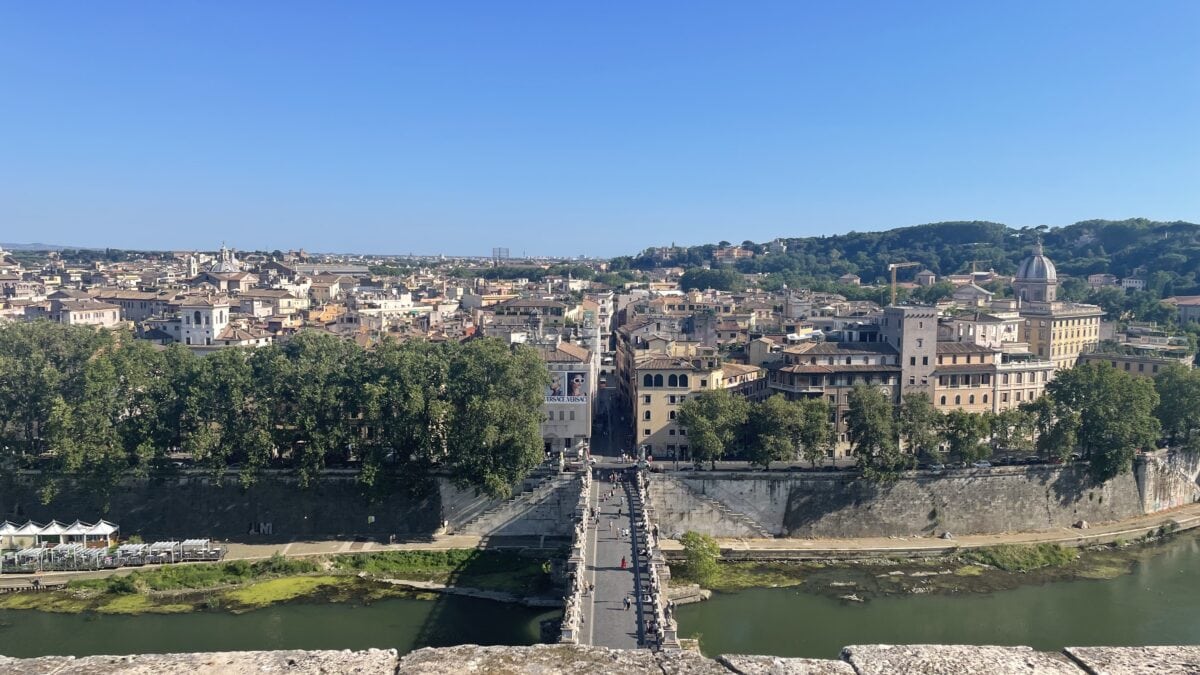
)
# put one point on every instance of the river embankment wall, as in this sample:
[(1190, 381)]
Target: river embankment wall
[(974, 501), (277, 508)]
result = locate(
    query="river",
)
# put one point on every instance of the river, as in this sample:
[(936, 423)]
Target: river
[(1158, 603), (398, 624)]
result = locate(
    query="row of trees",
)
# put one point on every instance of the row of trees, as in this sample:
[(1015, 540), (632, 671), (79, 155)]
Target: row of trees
[(99, 404), (776, 429), (1102, 413)]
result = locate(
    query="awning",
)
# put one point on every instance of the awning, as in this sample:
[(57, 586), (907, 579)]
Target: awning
[(102, 529), (77, 528), (29, 528), (52, 529)]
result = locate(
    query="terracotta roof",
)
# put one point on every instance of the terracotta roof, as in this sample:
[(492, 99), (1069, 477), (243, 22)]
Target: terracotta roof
[(736, 369), (841, 348), (962, 348)]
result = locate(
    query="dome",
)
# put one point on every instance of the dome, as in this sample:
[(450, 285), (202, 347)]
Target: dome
[(1037, 267)]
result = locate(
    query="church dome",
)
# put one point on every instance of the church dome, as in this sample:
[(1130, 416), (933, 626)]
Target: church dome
[(1037, 267)]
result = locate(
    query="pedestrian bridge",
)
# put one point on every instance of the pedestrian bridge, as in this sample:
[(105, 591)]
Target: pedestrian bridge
[(618, 576)]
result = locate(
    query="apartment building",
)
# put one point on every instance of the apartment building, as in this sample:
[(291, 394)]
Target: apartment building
[(831, 370)]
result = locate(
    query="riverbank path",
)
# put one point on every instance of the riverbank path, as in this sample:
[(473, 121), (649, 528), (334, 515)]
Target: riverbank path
[(607, 621)]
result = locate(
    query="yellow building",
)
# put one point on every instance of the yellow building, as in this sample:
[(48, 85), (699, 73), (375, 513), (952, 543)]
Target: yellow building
[(666, 375), (1054, 330), (964, 377)]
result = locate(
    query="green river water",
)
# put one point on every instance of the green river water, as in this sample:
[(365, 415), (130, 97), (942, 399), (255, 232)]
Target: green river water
[(1158, 603)]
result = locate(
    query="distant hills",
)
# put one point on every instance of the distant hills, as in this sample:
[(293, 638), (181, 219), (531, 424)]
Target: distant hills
[(36, 247), (1165, 254)]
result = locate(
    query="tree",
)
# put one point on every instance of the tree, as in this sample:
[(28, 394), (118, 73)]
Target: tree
[(774, 426), (493, 434), (1178, 402), (699, 278), (815, 435), (1012, 430), (1119, 410), (918, 423), (872, 434), (702, 554), (964, 433), (713, 419)]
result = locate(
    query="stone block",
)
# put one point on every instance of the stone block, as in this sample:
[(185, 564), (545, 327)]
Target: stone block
[(777, 665), (955, 660), (1137, 660), (291, 662)]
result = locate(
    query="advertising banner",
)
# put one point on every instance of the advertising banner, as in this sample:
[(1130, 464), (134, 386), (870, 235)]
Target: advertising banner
[(569, 387)]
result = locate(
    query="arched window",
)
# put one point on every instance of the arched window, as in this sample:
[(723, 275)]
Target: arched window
[(673, 381), (958, 400), (848, 360), (683, 381), (658, 380), (648, 380), (985, 398), (196, 320), (943, 400), (971, 399)]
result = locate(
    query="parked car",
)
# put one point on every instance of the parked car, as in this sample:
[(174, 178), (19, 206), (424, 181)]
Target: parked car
[(937, 467), (982, 464)]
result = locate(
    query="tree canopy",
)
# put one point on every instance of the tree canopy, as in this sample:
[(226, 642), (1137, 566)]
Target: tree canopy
[(98, 405)]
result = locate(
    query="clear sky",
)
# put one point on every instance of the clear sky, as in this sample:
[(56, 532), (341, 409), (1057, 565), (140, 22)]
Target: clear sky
[(593, 128)]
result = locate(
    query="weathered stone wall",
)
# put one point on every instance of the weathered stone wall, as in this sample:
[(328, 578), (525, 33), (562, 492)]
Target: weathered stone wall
[(196, 506), (544, 659), (1002, 499), (1168, 480)]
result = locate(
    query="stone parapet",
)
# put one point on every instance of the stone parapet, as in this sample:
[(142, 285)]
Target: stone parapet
[(577, 660)]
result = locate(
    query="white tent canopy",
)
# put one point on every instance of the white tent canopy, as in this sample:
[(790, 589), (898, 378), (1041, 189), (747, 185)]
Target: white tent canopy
[(77, 529), (29, 528), (8, 528), (52, 529), (102, 529)]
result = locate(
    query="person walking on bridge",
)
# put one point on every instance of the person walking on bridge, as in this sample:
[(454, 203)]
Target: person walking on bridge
[(623, 563)]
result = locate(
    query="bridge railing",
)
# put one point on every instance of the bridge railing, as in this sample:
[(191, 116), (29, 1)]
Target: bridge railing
[(572, 621), (661, 609)]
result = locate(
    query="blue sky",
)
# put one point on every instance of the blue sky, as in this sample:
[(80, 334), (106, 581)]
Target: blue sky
[(586, 128)]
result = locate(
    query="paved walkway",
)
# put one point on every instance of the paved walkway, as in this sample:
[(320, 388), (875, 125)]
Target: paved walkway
[(607, 622)]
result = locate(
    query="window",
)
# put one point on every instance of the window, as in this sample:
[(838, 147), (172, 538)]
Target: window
[(646, 398), (670, 432), (673, 381), (958, 400), (572, 416), (646, 432), (847, 360), (683, 432), (703, 384), (671, 415), (658, 380), (648, 381), (924, 360), (683, 382), (971, 399), (912, 360), (985, 398), (912, 381), (646, 415), (1004, 397), (562, 416), (671, 399), (943, 400)]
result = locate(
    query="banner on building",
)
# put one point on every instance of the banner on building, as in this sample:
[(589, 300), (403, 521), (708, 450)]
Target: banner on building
[(569, 387)]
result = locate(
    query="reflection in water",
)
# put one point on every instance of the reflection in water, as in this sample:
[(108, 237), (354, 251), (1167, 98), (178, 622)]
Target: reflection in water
[(394, 624), (1158, 603)]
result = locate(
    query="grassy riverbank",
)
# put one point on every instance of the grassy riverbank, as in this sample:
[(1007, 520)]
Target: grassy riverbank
[(241, 585), (977, 570)]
